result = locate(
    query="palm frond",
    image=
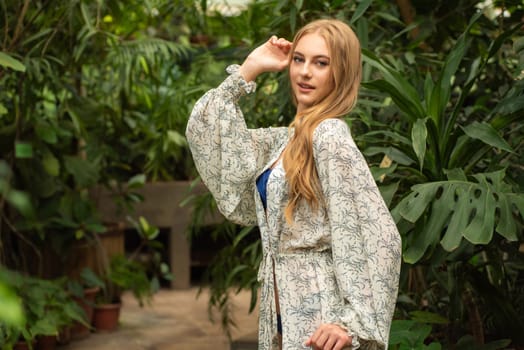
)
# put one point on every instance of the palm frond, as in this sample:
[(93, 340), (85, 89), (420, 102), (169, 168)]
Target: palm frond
[(150, 49)]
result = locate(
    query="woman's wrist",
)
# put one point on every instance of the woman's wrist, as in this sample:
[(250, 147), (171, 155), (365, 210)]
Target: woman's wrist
[(354, 342), (248, 71)]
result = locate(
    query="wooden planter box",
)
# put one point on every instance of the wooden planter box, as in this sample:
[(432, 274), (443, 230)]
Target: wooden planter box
[(96, 255), (80, 254)]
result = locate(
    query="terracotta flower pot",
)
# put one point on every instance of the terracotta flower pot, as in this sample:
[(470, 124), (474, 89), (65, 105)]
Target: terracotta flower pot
[(106, 317), (64, 336), (47, 342), (22, 345)]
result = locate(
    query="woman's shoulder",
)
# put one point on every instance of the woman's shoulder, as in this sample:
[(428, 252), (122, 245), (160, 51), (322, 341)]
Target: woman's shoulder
[(332, 130), (332, 124)]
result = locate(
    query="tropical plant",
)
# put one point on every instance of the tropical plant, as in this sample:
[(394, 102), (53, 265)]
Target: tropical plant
[(92, 95), (441, 148), (40, 142), (445, 161), (140, 272), (438, 122), (415, 334)]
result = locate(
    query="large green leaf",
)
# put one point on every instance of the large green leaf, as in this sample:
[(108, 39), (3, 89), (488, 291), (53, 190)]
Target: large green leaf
[(509, 104), (441, 93), (46, 132), (50, 163), (419, 134), (10, 62), (409, 334), (487, 134), (361, 9), (401, 91), (23, 149), (453, 210), (388, 192), (12, 311), (393, 153)]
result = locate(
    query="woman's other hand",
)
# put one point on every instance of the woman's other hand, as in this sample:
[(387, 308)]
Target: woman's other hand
[(272, 56), (329, 337)]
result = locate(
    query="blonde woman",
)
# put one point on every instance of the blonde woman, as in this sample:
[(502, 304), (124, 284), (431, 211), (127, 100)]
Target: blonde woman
[(331, 251)]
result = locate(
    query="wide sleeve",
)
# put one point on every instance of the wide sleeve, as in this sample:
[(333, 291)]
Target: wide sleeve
[(366, 244), (226, 153)]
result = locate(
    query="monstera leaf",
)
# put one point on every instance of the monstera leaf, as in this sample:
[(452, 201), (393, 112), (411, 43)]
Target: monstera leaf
[(445, 212)]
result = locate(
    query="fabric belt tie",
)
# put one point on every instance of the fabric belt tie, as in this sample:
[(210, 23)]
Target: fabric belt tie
[(267, 302)]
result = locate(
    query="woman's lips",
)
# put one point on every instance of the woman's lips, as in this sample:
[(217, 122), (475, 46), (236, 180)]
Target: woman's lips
[(305, 87)]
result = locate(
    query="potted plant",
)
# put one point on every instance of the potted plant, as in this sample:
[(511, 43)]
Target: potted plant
[(48, 308), (84, 291), (138, 273), (123, 274)]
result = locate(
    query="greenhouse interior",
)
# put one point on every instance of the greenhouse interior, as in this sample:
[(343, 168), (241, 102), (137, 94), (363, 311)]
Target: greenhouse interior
[(104, 205)]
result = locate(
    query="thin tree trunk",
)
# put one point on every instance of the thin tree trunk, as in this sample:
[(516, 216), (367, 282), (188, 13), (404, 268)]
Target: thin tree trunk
[(475, 321)]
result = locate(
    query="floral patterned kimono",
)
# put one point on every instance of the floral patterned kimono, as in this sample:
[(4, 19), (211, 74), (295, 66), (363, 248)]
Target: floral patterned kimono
[(339, 264)]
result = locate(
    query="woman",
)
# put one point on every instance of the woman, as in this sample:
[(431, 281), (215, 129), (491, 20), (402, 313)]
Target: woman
[(331, 251)]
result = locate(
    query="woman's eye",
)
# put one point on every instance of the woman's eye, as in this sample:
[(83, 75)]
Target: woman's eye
[(298, 59), (323, 63)]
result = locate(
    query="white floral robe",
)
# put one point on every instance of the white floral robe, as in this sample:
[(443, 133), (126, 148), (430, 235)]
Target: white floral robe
[(337, 265)]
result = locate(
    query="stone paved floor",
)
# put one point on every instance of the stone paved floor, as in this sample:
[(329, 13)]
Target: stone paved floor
[(176, 320)]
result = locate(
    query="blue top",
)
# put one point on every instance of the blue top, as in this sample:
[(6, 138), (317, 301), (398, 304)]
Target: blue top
[(262, 185)]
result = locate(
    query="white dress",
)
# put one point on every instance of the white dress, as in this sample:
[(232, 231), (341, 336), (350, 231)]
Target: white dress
[(339, 264)]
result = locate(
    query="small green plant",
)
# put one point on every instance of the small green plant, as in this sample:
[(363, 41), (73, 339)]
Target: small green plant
[(126, 274), (139, 272), (409, 334), (420, 332), (47, 308)]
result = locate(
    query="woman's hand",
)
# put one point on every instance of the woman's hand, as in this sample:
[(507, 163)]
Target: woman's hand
[(329, 337), (272, 56)]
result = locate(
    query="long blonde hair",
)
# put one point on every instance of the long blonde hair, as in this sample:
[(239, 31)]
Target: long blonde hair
[(346, 69)]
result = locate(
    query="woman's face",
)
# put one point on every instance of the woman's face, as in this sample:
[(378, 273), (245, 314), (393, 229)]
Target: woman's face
[(310, 71)]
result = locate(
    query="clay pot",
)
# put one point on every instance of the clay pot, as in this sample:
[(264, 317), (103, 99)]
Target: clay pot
[(64, 336), (22, 345), (46, 342), (106, 317)]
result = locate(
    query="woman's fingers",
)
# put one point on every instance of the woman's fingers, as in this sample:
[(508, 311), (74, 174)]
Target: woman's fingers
[(281, 42), (272, 56), (329, 337)]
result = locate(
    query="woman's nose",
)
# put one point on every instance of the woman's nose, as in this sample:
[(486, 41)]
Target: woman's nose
[(306, 70)]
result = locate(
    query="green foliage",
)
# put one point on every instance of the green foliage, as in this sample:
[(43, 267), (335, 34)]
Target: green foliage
[(458, 208), (98, 93), (414, 335), (453, 142), (87, 100), (139, 272), (130, 275), (47, 308), (12, 312), (407, 334), (438, 120), (18, 199)]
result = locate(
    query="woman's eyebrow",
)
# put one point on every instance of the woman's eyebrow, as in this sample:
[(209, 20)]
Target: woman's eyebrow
[(317, 56)]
